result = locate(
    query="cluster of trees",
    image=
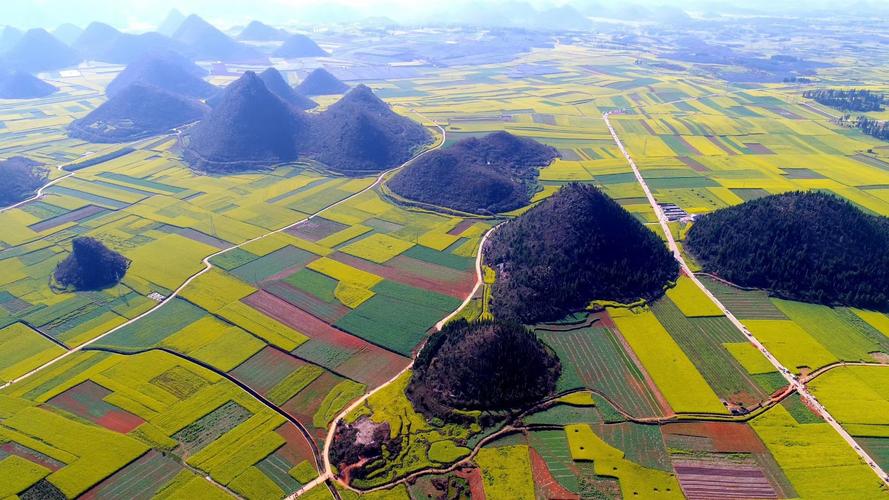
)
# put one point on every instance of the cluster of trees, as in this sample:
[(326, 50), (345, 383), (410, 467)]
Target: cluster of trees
[(577, 246), (495, 173), (874, 128), (90, 266), (860, 100), (21, 178), (486, 365), (813, 247)]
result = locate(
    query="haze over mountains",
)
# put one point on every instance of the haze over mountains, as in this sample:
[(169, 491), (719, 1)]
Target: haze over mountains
[(168, 71)]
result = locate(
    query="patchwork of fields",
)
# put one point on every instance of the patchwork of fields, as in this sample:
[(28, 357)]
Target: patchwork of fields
[(238, 375)]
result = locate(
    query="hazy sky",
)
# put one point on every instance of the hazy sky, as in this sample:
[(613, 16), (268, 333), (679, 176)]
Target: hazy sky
[(144, 14)]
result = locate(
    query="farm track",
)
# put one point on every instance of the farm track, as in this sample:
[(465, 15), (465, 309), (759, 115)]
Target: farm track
[(794, 382), (208, 266)]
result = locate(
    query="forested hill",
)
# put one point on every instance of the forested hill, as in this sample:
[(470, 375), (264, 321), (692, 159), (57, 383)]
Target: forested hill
[(813, 247), (488, 365), (21, 178), (495, 173), (577, 246)]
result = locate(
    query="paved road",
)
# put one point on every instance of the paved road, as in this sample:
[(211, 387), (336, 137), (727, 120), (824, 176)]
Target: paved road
[(792, 380)]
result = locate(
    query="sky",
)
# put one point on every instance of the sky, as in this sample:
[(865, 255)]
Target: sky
[(142, 15)]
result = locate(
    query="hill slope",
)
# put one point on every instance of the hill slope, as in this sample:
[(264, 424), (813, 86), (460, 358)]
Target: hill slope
[(21, 178), (167, 71), (261, 32), (577, 246), (90, 266), (360, 133), (496, 173), (812, 246), (171, 23), (135, 112), (21, 85), (250, 127), (128, 48), (9, 36), (488, 365), (67, 33), (95, 40), (37, 51), (206, 42), (299, 45), (321, 82), (275, 82)]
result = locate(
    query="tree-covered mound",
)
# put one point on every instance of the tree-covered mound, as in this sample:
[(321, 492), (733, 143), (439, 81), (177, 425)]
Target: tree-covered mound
[(321, 82), (252, 128), (261, 32), (21, 85), (249, 128), (360, 133), (135, 112), (37, 51), (90, 266), (813, 247), (21, 178), (164, 70), (485, 365), (299, 45), (577, 246), (275, 82), (495, 173)]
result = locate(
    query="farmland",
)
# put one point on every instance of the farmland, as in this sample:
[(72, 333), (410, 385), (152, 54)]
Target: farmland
[(260, 306)]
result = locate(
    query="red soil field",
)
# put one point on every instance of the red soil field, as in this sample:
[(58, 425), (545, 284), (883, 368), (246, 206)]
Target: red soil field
[(476, 486), (545, 481), (402, 269), (297, 448), (726, 437), (463, 225), (87, 400)]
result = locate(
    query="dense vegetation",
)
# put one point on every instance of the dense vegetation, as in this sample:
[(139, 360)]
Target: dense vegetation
[(321, 82), (21, 178), (860, 100), (249, 128), (496, 173), (90, 266), (275, 82), (37, 51), (166, 70), (21, 85), (135, 112), (813, 247), (577, 246), (253, 128), (485, 365), (874, 128), (360, 133), (299, 46)]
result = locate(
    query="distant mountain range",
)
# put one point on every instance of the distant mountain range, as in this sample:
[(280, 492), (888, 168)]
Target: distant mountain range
[(261, 32), (37, 50)]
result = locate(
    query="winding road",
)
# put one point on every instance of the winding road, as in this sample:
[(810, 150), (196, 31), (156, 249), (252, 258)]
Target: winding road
[(787, 374)]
